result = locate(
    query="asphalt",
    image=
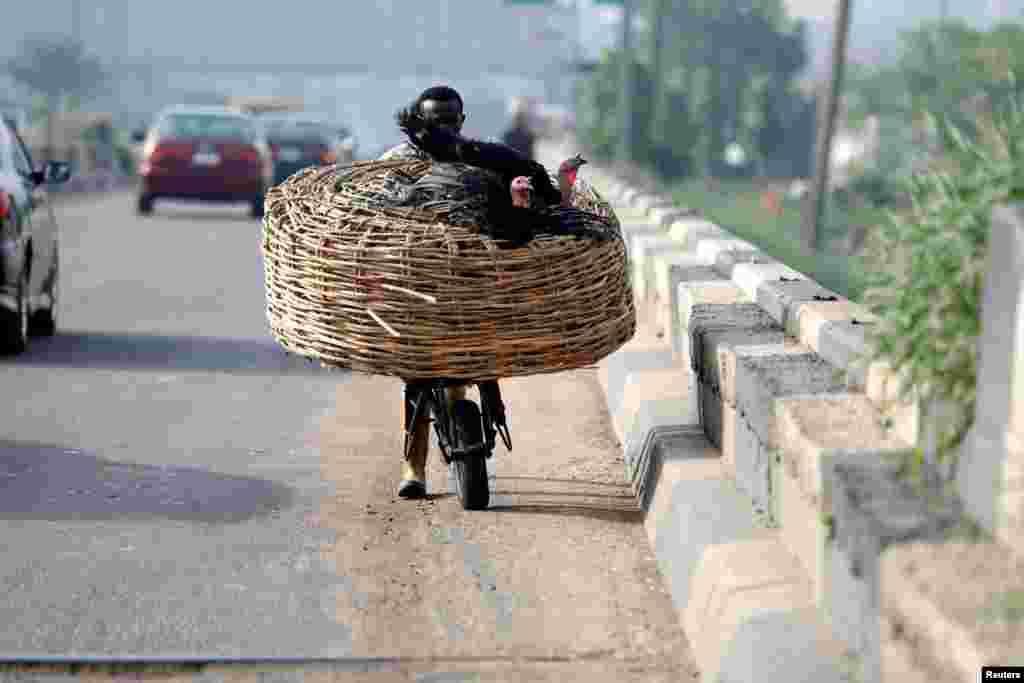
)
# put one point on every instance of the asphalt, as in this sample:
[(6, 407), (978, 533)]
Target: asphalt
[(173, 486)]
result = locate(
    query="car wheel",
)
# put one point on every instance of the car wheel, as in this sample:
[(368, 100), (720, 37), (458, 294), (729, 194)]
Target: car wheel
[(43, 323), (145, 206), (256, 210), (14, 324)]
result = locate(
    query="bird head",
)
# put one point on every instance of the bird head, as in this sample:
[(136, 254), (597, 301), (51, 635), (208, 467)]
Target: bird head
[(521, 189), (570, 167)]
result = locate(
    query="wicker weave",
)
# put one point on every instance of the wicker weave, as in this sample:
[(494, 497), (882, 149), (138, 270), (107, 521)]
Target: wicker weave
[(357, 281)]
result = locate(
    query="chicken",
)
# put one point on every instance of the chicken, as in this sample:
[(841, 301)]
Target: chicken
[(521, 190), (567, 171)]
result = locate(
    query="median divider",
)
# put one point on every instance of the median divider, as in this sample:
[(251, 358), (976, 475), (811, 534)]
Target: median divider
[(773, 461)]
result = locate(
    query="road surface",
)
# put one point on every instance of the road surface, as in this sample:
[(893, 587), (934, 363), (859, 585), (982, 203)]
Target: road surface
[(173, 485)]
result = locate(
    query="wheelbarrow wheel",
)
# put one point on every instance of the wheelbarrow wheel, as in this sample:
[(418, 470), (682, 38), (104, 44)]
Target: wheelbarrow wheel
[(470, 457)]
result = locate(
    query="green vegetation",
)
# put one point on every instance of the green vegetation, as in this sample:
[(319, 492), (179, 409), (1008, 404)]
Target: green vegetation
[(707, 73), (928, 282), (735, 205)]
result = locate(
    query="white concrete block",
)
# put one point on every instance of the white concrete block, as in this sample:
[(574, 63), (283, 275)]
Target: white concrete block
[(708, 250), (749, 276)]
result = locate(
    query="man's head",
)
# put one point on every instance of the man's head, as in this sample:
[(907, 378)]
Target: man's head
[(441, 106)]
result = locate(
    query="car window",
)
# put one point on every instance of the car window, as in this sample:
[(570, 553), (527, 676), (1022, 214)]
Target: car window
[(206, 126), (299, 129)]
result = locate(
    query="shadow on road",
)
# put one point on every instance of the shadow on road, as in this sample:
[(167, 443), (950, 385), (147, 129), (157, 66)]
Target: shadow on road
[(552, 497), (170, 353), (211, 213), (46, 482), (599, 512)]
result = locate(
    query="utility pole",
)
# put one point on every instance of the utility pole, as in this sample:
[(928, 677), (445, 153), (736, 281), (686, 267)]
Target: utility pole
[(812, 213), (626, 103)]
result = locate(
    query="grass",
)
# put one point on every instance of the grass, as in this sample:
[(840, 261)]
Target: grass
[(736, 207)]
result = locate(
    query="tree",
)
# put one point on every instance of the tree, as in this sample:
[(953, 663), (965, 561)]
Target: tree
[(56, 67)]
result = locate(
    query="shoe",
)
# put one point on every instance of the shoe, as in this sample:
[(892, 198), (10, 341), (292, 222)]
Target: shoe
[(411, 488), (414, 469)]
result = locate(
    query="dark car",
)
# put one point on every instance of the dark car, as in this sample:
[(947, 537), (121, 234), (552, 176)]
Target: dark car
[(298, 143), (28, 243), (211, 154)]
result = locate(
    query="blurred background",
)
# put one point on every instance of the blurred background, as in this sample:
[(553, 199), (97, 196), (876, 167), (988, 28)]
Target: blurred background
[(725, 97)]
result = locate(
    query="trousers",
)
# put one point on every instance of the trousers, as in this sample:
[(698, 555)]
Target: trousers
[(420, 432)]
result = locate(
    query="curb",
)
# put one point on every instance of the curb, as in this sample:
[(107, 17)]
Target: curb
[(766, 462)]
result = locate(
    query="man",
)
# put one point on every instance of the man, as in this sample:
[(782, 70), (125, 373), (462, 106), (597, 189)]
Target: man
[(519, 136), (433, 124)]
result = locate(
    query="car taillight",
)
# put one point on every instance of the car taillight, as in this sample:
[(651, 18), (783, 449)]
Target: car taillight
[(165, 150), (5, 205), (248, 154)]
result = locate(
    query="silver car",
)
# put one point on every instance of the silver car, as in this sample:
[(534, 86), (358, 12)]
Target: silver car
[(28, 243)]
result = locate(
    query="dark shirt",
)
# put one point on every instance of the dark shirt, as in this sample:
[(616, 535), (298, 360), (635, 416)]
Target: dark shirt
[(520, 139)]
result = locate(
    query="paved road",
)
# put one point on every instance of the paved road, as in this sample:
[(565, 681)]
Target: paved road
[(174, 485)]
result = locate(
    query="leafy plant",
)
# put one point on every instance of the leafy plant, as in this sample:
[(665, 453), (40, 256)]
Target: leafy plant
[(927, 291)]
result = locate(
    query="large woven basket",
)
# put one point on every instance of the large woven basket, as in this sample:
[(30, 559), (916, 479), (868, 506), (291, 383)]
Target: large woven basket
[(358, 283)]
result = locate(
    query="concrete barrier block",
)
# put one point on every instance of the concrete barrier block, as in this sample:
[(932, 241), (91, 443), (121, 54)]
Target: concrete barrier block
[(646, 201), (683, 277), (814, 430), (781, 299), (666, 215), (655, 420), (760, 380), (749, 276), (956, 604), (812, 316), (874, 508), (642, 386), (690, 231), (764, 377), (709, 249), (845, 344), (785, 646), (711, 328), (899, 662), (751, 605), (646, 249), (622, 363), (803, 528), (692, 505), (727, 360), (667, 264), (727, 261), (634, 229), (737, 435)]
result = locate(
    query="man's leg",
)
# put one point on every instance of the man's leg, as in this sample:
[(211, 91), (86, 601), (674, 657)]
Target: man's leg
[(414, 467)]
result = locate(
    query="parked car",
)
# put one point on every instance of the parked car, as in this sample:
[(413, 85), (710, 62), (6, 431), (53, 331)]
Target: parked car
[(209, 154), (297, 142), (28, 243)]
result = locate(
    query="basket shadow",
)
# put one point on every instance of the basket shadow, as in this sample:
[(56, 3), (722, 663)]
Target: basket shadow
[(71, 349), (604, 514), (54, 483), (577, 482), (587, 499)]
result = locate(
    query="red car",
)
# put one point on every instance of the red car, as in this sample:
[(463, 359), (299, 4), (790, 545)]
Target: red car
[(213, 154)]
